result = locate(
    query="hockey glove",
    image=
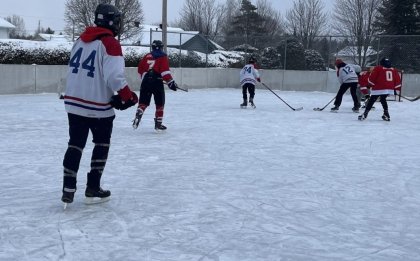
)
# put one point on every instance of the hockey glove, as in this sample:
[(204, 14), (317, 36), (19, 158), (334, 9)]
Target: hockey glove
[(118, 104), (172, 85)]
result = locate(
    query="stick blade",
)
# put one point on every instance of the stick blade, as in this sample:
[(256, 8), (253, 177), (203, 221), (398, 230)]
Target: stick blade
[(298, 109), (317, 109)]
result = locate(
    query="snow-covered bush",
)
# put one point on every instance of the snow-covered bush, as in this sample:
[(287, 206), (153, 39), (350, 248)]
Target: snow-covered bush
[(270, 59), (15, 53), (295, 54), (314, 61)]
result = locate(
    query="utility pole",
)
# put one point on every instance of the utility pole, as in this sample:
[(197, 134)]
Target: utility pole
[(117, 5), (72, 20), (165, 25)]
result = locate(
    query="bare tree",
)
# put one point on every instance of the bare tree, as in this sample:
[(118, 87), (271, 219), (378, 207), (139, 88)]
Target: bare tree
[(306, 20), (355, 18), (204, 16), (81, 13), (19, 31), (272, 19)]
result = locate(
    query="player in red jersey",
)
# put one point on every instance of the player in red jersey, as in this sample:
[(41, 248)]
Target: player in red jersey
[(154, 70), (364, 85), (384, 81)]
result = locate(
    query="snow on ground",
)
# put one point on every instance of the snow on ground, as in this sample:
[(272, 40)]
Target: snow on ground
[(222, 183)]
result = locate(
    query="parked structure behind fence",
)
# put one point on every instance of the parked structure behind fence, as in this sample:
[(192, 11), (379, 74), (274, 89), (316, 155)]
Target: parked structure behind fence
[(286, 52)]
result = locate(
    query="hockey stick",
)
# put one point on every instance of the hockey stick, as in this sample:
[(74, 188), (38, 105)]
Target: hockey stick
[(295, 109), (185, 90), (321, 109)]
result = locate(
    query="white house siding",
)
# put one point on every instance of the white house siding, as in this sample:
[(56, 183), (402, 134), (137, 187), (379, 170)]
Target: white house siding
[(4, 33), (5, 26)]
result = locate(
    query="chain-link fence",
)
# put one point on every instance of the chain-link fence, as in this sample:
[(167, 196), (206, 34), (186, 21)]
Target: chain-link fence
[(190, 49)]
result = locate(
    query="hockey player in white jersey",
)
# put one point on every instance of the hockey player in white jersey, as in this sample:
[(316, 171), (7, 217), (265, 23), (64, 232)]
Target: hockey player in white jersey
[(95, 72), (348, 78), (249, 76)]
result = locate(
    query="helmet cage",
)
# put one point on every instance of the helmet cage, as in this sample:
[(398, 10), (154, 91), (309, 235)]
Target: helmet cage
[(108, 16), (157, 45)]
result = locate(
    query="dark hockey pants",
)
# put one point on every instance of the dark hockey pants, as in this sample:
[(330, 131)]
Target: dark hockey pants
[(79, 127), (373, 99), (155, 88), (343, 88), (248, 87)]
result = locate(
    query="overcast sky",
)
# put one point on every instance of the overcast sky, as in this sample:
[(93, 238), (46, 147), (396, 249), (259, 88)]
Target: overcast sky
[(50, 13)]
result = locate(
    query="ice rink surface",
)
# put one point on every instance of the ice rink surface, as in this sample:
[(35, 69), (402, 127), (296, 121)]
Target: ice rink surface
[(222, 183)]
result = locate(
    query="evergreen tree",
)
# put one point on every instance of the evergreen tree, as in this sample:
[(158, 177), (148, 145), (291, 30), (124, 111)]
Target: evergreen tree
[(271, 58), (399, 21), (314, 60), (247, 26), (49, 31), (295, 54), (399, 17)]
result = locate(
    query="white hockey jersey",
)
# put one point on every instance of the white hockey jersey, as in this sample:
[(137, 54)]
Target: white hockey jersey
[(96, 71), (249, 74), (347, 74)]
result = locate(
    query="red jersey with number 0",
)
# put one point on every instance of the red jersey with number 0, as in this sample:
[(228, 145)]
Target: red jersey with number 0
[(384, 80)]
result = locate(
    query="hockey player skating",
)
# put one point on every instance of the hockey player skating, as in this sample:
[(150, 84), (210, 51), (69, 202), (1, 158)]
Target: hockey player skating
[(153, 70), (248, 77), (364, 85), (384, 81), (347, 77), (96, 71)]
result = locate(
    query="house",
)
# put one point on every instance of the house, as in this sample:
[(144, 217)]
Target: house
[(53, 37), (5, 28), (176, 38), (201, 44), (349, 55)]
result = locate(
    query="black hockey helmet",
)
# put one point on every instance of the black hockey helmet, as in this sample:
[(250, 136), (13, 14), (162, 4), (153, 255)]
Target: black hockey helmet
[(385, 62), (108, 16), (157, 45)]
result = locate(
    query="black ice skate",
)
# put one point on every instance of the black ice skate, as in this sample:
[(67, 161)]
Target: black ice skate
[(68, 196), (251, 102), (355, 109), (96, 195), (159, 127), (244, 104), (386, 116), (362, 117), (335, 108), (137, 118)]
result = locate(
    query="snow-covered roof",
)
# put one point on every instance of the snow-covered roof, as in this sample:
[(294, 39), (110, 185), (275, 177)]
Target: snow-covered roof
[(55, 37), (5, 24), (350, 51), (149, 33)]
